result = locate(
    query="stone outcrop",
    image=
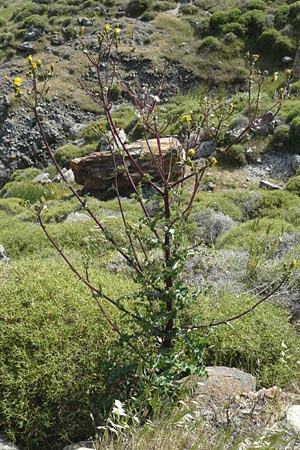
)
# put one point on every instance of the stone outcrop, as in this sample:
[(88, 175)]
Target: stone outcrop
[(96, 171)]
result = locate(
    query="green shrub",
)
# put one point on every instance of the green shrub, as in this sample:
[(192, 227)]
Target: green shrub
[(136, 8), (262, 343), (243, 234), (54, 367), (67, 152), (254, 21), (255, 4), (281, 17), (237, 28), (295, 133), (293, 185), (283, 46), (188, 10), (281, 138), (210, 44), (32, 192), (295, 90), (25, 174), (163, 5), (220, 18), (236, 156), (2, 21), (266, 40), (36, 21)]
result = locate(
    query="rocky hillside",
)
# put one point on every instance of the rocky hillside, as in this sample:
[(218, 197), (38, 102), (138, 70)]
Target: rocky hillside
[(201, 44)]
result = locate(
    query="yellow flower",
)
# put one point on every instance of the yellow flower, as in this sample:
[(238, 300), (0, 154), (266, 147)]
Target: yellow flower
[(256, 57), (213, 161), (81, 31), (186, 119), (191, 152), (293, 263), (33, 66), (29, 59), (39, 63), (232, 105), (275, 76), (117, 31), (107, 28), (17, 82), (288, 74)]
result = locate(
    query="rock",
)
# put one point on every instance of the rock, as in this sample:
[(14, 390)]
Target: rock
[(296, 65), (96, 171), (77, 217), (33, 34), (107, 141), (84, 21), (293, 417), (3, 258), (287, 60), (205, 149), (224, 382), (295, 162), (4, 445), (69, 176), (42, 178), (80, 446), (264, 184), (28, 46)]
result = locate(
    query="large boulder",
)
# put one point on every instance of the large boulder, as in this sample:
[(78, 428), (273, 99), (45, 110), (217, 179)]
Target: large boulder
[(96, 172)]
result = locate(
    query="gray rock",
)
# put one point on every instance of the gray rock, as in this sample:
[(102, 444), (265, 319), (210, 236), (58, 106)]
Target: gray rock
[(4, 445), (83, 445), (296, 65), (3, 258), (68, 174), (33, 34), (224, 382), (77, 217), (42, 178), (205, 149), (293, 417), (295, 162), (106, 141), (29, 46), (287, 60), (264, 184)]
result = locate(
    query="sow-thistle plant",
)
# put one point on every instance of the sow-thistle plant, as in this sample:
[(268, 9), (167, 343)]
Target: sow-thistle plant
[(163, 346)]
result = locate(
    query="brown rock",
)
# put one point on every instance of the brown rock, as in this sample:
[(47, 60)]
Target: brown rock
[(96, 171)]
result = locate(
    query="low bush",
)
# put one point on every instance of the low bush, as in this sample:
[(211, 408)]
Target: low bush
[(281, 17), (295, 133), (242, 235), (254, 21), (220, 18), (235, 157), (67, 152), (281, 138), (136, 8), (210, 44), (293, 185), (54, 354), (32, 192), (262, 343)]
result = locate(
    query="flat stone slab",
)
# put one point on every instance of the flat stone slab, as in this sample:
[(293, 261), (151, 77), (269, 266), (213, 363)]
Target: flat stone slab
[(224, 382)]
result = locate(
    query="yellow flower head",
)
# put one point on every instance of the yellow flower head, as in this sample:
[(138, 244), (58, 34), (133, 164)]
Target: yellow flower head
[(232, 105), (117, 31), (275, 76), (213, 161), (293, 263), (33, 66), (81, 31), (39, 63), (288, 74), (191, 152), (186, 119), (29, 59), (256, 57), (107, 28), (17, 82)]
